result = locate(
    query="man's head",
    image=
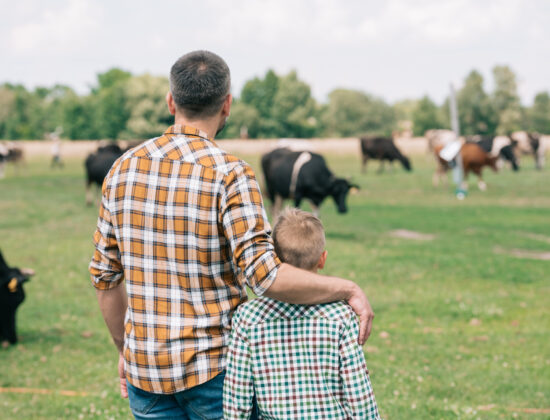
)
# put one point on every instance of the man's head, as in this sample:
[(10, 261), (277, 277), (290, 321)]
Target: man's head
[(300, 239), (200, 85)]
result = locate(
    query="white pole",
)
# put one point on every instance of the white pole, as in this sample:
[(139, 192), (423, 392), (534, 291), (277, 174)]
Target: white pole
[(458, 172)]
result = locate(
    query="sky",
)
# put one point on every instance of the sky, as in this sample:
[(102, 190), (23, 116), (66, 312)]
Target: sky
[(394, 49)]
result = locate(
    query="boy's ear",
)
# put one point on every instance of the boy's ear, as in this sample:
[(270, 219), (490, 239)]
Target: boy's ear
[(322, 260)]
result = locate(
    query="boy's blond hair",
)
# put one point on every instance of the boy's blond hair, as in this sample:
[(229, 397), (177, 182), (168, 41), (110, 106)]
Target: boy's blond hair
[(299, 238)]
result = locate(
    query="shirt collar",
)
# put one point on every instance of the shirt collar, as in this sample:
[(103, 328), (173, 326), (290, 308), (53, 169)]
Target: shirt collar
[(188, 131)]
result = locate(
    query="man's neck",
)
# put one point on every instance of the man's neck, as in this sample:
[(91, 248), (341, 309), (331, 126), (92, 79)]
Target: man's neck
[(209, 126)]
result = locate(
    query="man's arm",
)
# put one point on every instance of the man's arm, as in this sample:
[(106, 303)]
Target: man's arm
[(113, 304), (294, 285), (247, 231), (107, 275)]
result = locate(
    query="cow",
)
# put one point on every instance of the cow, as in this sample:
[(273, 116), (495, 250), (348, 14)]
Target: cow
[(530, 144), (474, 158), (98, 165), (11, 296), (381, 148), (9, 152), (501, 146), (302, 175)]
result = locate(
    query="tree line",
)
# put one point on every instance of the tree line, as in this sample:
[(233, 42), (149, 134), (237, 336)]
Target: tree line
[(125, 106)]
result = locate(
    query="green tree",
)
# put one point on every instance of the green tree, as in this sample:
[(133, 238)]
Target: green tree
[(113, 109), (353, 113), (149, 114), (425, 116), (539, 114), (294, 108), (260, 93), (242, 115), (475, 112), (506, 100)]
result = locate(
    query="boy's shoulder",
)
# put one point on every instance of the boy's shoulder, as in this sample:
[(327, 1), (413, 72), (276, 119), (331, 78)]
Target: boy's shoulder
[(263, 309)]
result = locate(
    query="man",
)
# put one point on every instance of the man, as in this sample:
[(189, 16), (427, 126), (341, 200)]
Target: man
[(183, 223)]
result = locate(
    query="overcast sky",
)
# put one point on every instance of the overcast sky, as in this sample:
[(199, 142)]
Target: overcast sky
[(395, 49)]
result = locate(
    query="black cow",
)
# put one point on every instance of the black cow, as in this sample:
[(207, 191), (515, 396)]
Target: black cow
[(500, 146), (11, 296), (381, 148), (98, 165), (302, 175)]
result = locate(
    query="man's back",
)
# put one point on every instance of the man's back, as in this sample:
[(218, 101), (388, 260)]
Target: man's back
[(167, 207), (301, 361)]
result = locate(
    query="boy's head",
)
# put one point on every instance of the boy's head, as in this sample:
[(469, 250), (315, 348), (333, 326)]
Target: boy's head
[(300, 239)]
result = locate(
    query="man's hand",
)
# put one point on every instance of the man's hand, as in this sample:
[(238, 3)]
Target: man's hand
[(361, 306), (122, 377)]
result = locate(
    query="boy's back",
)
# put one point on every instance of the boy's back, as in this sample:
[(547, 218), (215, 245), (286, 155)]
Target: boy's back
[(301, 362)]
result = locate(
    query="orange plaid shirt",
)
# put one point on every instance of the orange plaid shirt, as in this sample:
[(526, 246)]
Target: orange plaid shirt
[(183, 222)]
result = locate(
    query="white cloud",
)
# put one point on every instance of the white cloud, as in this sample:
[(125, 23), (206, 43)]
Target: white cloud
[(63, 30)]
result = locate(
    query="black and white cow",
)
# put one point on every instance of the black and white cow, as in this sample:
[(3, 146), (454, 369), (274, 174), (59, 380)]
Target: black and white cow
[(381, 148), (11, 296), (501, 146), (98, 165), (302, 175), (530, 144)]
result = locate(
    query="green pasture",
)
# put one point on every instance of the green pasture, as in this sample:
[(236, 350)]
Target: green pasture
[(462, 327)]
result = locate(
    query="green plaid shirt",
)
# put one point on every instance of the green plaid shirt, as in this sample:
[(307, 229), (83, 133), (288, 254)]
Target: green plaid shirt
[(303, 362)]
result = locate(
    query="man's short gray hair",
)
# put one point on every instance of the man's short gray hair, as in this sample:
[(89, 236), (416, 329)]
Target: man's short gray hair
[(200, 81)]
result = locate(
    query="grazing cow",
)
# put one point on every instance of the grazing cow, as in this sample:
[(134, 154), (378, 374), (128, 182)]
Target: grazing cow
[(474, 158), (302, 175), (9, 152), (530, 144), (501, 146), (381, 148), (11, 296), (98, 165)]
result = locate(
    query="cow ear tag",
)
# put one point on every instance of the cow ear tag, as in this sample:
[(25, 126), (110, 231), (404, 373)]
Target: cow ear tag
[(12, 285), (354, 190)]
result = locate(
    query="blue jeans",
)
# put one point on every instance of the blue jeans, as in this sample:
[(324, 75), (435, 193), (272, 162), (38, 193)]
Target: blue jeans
[(202, 402)]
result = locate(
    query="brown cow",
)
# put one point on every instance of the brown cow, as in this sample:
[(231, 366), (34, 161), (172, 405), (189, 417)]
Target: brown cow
[(474, 158)]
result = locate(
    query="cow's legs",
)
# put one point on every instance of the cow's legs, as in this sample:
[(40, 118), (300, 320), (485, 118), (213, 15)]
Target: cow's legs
[(8, 326), (88, 193), (480, 183), (315, 210), (381, 167), (439, 174), (276, 207), (364, 163)]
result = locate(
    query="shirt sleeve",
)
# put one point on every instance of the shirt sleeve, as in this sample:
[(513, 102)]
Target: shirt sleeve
[(357, 389), (105, 268), (238, 389), (247, 229)]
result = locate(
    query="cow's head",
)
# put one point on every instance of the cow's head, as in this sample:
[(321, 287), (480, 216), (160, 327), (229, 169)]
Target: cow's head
[(339, 191), (13, 278)]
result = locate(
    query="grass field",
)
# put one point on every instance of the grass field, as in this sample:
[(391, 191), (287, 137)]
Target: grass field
[(462, 322)]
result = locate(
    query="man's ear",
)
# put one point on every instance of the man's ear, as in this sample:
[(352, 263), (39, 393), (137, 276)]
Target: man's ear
[(226, 108), (171, 104), (322, 260)]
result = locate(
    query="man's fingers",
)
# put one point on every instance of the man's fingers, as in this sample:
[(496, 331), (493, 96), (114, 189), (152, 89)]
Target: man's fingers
[(365, 327), (122, 377), (123, 388)]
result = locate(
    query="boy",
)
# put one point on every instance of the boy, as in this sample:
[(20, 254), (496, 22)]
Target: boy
[(298, 361)]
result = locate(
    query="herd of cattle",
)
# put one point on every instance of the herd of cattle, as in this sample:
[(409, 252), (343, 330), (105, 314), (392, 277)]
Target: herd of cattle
[(304, 175)]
